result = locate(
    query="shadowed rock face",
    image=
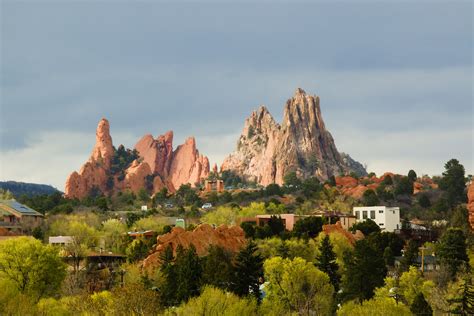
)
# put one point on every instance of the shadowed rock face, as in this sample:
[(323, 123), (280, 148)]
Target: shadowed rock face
[(157, 167), (266, 151), (470, 203)]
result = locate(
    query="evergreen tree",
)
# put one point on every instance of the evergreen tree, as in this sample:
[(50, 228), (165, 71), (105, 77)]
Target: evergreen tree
[(463, 303), (217, 268), (168, 288), (452, 250), (326, 262), (248, 270), (188, 273), (283, 250), (454, 182), (410, 255), (420, 306), (388, 257), (412, 175), (365, 270)]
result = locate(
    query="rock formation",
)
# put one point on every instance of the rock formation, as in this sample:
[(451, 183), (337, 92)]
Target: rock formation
[(230, 238), (470, 203), (337, 228), (266, 151), (153, 166)]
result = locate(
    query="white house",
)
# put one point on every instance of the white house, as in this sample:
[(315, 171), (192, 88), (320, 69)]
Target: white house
[(388, 218)]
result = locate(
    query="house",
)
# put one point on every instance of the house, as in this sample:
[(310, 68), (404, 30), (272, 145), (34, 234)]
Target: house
[(346, 220), (16, 217), (388, 218), (60, 240)]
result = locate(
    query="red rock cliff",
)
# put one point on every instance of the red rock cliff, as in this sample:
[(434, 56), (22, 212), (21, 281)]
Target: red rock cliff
[(158, 166)]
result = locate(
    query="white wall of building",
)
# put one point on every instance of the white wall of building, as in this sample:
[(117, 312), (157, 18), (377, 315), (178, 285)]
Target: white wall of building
[(388, 218)]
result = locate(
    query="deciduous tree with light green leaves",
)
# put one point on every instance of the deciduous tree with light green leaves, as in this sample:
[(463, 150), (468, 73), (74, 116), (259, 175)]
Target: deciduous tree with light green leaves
[(380, 306), (298, 285), (31, 267)]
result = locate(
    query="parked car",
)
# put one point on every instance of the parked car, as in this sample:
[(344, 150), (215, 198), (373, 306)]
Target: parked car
[(206, 206), (169, 205)]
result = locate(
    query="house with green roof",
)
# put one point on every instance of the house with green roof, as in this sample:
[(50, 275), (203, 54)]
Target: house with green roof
[(17, 217)]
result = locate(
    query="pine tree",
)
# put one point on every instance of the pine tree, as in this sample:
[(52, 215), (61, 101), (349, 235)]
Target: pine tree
[(452, 250), (168, 288), (188, 274), (410, 255), (463, 304), (283, 250), (420, 306), (326, 262), (365, 270), (248, 270)]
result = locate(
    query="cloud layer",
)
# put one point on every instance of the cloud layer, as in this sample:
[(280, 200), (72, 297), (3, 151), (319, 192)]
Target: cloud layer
[(395, 79)]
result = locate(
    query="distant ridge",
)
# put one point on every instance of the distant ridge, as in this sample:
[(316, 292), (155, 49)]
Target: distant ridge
[(29, 189)]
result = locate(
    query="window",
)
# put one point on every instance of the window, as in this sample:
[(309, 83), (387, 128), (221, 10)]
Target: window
[(380, 211), (364, 214), (372, 214), (380, 224), (357, 214)]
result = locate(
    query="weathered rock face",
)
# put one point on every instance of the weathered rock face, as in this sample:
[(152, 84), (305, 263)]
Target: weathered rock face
[(266, 151), (470, 203), (157, 166), (230, 238)]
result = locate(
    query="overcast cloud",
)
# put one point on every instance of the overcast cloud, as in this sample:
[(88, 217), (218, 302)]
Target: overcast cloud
[(395, 79)]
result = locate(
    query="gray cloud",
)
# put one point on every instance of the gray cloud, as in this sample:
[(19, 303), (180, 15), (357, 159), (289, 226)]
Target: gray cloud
[(402, 69)]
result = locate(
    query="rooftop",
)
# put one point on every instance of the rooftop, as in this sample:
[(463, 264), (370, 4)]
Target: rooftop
[(12, 206)]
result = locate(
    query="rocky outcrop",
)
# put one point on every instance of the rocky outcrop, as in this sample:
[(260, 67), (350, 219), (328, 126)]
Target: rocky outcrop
[(266, 151), (153, 166), (470, 203), (230, 238), (338, 229)]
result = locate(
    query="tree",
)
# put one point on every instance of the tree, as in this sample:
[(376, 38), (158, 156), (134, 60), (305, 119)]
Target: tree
[(424, 201), (214, 301), (168, 286), (452, 250), (404, 186), (412, 175), (308, 227), (311, 186), (137, 250), (248, 228), (298, 285), (186, 195), (387, 180), (380, 306), (454, 182), (367, 227), (365, 270), (326, 262), (113, 231), (370, 198), (248, 269), (273, 189), (291, 181), (420, 306), (188, 273), (30, 267), (217, 268), (463, 301), (410, 255)]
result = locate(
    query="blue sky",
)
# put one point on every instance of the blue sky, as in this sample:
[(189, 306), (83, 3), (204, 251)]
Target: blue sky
[(395, 78)]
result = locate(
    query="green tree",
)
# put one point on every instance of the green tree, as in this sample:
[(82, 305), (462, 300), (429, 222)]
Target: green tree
[(387, 180), (308, 227), (410, 255), (380, 306), (31, 267), (273, 189), (291, 181), (310, 186), (388, 257), (169, 285), (452, 250), (404, 186), (137, 250), (424, 201), (420, 306), (214, 301), (217, 268), (463, 301), (454, 182), (326, 262), (248, 269), (365, 270), (188, 273), (367, 227), (412, 175), (298, 285), (370, 198)]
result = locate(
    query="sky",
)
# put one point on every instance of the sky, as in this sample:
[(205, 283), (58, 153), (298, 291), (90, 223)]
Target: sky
[(395, 78)]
